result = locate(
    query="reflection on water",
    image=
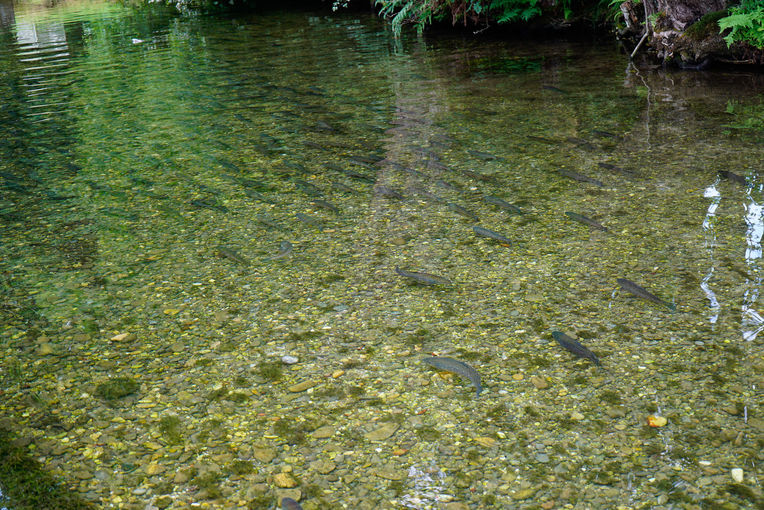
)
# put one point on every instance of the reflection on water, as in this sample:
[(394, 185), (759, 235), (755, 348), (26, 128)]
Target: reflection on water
[(202, 218)]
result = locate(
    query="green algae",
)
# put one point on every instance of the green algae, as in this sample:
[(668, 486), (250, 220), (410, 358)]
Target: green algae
[(171, 429), (270, 370), (116, 388), (25, 485)]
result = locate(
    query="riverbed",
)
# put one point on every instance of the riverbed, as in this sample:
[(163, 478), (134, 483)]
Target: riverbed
[(207, 223)]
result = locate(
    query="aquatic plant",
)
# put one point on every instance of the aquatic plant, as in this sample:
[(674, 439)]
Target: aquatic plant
[(116, 388), (24, 483)]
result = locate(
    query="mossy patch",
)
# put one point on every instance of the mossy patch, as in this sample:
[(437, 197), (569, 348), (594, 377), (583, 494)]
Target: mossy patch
[(116, 388), (170, 427), (705, 27), (270, 370), (27, 486)]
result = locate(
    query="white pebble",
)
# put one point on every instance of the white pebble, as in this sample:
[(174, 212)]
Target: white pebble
[(737, 475), (289, 360)]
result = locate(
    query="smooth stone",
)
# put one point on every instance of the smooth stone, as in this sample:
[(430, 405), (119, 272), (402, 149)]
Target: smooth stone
[(289, 360), (383, 432), (284, 480), (391, 474), (323, 432), (575, 415), (539, 382), (264, 455), (542, 457), (524, 494), (737, 475), (163, 502), (323, 466), (297, 388), (45, 349)]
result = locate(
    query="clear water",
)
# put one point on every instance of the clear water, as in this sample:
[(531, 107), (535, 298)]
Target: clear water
[(153, 165)]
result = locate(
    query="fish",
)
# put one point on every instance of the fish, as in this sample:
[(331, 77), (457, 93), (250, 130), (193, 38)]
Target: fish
[(512, 209), (733, 177), (607, 134), (638, 291), (541, 139), (583, 219), (385, 191), (490, 234), (463, 211), (285, 249), (343, 187), (580, 177), (554, 89), (226, 252), (308, 188), (485, 156), (209, 204), (289, 504), (611, 167), (457, 367), (423, 278), (580, 142), (575, 347), (310, 220), (258, 196), (265, 220), (478, 176), (326, 205)]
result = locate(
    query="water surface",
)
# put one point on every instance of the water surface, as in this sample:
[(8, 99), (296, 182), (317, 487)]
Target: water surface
[(153, 167)]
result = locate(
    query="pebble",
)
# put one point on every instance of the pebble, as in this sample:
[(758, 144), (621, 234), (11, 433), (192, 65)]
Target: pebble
[(289, 360), (284, 480), (45, 349), (123, 337), (737, 475), (485, 441), (297, 388), (524, 494), (575, 415), (383, 432), (389, 473), (264, 455), (539, 382), (542, 457), (323, 432)]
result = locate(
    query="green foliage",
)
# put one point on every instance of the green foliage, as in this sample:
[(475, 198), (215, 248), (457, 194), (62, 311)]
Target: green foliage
[(745, 23)]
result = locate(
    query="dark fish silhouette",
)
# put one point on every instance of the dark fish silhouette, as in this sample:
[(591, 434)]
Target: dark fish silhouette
[(457, 367), (485, 156), (575, 347), (326, 205), (583, 219), (209, 204), (580, 177), (613, 168), (638, 291), (490, 234), (226, 252), (290, 504), (510, 208), (310, 220), (285, 249), (423, 278), (385, 191), (265, 220), (733, 177), (463, 211)]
